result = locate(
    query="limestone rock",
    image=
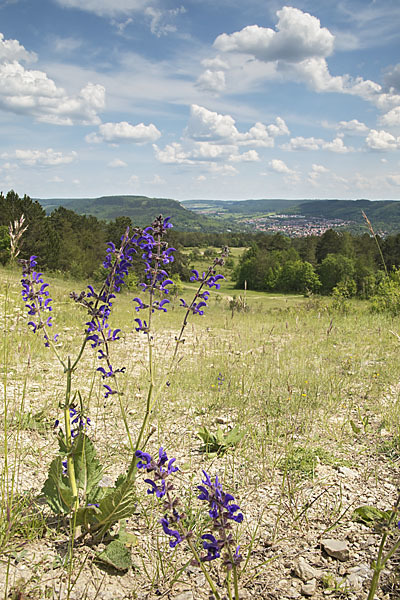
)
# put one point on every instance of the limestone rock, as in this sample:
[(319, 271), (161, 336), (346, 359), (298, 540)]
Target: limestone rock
[(309, 589), (336, 548), (304, 571)]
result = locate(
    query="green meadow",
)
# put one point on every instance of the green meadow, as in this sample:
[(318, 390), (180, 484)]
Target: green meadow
[(293, 402)]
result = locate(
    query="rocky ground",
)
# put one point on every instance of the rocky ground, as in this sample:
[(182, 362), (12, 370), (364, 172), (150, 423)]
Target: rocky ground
[(298, 539)]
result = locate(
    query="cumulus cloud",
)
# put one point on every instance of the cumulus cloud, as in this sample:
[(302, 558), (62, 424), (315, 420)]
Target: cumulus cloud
[(124, 132), (279, 166), (298, 50), (391, 118), (213, 139), (12, 50), (320, 169), (47, 157), (215, 63), (382, 140), (353, 127), (300, 143), (31, 92), (117, 163), (211, 81), (202, 152), (315, 173), (207, 125), (299, 36)]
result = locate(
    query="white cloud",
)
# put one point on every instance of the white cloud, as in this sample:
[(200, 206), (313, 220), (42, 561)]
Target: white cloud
[(55, 179), (172, 154), (312, 143), (337, 145), (224, 170), (315, 174), (215, 63), (116, 163), (211, 81), (298, 50), (160, 20), (391, 118), (207, 125), (299, 36), (319, 169), (392, 77), (394, 179), (249, 156), (66, 45), (279, 166), (203, 153), (31, 92), (47, 157), (124, 132), (107, 8), (133, 179), (382, 140), (11, 50), (157, 180), (353, 127)]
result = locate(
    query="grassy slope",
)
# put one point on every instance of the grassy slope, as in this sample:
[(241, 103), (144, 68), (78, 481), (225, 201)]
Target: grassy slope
[(296, 374)]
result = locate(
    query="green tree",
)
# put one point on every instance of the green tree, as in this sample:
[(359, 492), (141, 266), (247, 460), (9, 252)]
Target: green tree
[(334, 269)]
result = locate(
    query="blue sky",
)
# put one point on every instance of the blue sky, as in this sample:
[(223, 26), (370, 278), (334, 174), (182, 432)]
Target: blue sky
[(200, 99)]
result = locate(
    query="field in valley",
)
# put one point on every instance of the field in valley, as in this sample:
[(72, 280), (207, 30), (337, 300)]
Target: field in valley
[(314, 391)]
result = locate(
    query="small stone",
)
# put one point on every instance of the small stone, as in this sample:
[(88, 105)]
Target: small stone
[(220, 421), (354, 582), (187, 595), (304, 571), (309, 589), (349, 473), (336, 548)]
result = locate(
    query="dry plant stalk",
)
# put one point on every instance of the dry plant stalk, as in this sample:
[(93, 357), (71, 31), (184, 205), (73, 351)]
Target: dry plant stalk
[(16, 230), (369, 225)]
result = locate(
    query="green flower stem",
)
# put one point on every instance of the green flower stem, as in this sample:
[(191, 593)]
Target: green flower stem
[(236, 582), (203, 568), (68, 436), (381, 558)]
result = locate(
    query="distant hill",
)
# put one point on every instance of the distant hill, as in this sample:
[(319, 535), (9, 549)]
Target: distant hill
[(235, 215), (376, 210), (141, 209), (244, 207)]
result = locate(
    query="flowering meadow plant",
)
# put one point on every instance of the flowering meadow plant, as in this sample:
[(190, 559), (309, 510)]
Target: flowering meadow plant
[(222, 511), (73, 485)]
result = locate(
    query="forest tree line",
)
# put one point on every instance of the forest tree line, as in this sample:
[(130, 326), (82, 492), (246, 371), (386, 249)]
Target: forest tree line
[(67, 242)]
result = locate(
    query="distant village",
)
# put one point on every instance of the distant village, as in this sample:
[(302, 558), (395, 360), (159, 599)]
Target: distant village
[(293, 225)]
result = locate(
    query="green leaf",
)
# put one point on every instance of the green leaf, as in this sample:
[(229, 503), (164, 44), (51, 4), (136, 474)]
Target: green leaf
[(234, 436), (88, 470), (370, 515), (56, 490), (129, 539), (116, 555), (354, 427), (118, 504)]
